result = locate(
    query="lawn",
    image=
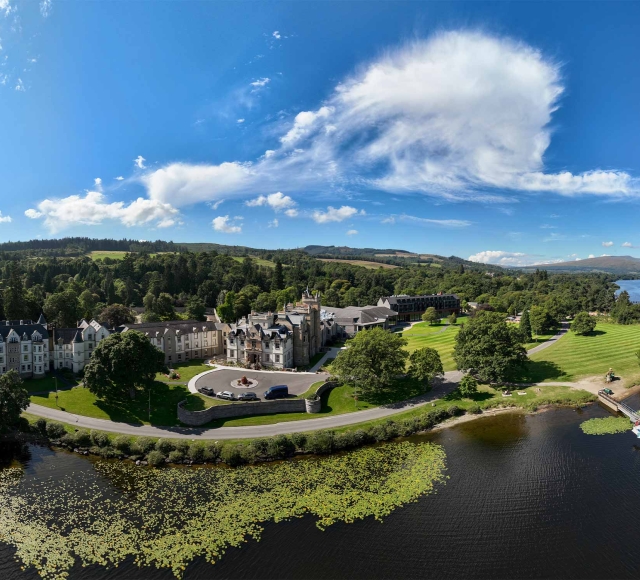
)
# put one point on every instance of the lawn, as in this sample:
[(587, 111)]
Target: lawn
[(535, 341), (364, 263), (186, 370), (438, 336), (573, 356), (164, 400), (257, 261), (48, 383)]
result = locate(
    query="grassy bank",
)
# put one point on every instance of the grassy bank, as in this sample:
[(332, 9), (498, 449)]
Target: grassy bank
[(186, 370), (574, 357), (438, 336)]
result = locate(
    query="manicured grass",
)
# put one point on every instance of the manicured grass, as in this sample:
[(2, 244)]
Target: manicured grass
[(164, 401), (48, 383), (186, 370), (573, 356), (325, 368), (364, 263), (314, 359), (423, 335), (535, 341)]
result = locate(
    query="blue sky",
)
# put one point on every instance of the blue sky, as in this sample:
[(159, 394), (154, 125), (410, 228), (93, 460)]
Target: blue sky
[(505, 132)]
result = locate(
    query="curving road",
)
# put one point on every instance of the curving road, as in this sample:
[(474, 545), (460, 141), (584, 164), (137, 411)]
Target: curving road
[(441, 388)]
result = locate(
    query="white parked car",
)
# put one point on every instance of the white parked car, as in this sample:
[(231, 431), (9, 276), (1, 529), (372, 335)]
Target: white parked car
[(228, 395)]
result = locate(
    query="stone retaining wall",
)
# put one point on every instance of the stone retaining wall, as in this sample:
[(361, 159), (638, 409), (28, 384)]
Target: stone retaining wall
[(197, 418)]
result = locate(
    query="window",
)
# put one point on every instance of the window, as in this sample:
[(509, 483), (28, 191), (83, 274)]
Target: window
[(179, 357), (267, 357), (277, 358), (22, 368), (169, 357), (26, 358)]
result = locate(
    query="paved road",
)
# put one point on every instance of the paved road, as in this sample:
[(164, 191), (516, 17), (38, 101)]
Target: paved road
[(332, 353), (220, 379), (440, 389), (563, 330)]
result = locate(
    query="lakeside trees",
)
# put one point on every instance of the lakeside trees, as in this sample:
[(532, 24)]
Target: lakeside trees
[(488, 348), (14, 399), (122, 365)]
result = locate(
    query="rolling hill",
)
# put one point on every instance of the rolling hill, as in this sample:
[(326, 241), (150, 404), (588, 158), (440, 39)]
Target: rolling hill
[(608, 264)]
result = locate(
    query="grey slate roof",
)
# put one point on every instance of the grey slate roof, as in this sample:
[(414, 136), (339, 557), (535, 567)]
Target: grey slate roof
[(66, 334), (22, 329), (362, 314), (184, 326)]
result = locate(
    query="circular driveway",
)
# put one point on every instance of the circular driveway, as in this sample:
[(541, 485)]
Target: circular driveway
[(220, 380)]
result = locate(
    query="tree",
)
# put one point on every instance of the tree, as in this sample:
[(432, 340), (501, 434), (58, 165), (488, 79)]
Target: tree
[(488, 348), (61, 309), (430, 315), (87, 304), (241, 305), (525, 327), (14, 294), (583, 323), (196, 310), (372, 359), (277, 282), (468, 386), (452, 318), (14, 398), (425, 365), (116, 315), (121, 365), (225, 310), (541, 321)]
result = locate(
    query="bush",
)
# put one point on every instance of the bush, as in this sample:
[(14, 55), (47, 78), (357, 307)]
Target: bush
[(182, 445), (176, 457), (196, 452), (280, 446), (41, 426), (68, 440), (165, 446), (468, 386), (143, 445), (211, 452), (454, 411), (100, 439), (320, 442), (232, 455), (474, 409), (155, 458), (122, 443), (82, 438), (55, 430), (299, 440), (259, 447)]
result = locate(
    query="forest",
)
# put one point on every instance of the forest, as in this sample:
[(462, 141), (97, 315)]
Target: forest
[(67, 288)]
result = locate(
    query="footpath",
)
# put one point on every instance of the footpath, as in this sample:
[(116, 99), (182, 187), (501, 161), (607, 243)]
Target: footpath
[(442, 387)]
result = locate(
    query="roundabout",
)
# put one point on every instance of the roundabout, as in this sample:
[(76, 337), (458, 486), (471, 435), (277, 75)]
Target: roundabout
[(244, 383)]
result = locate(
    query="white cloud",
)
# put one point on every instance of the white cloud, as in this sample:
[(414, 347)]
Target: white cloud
[(591, 256), (93, 209), (5, 6), (389, 220), (45, 8), (4, 219), (604, 255), (508, 259), (98, 183), (629, 245), (276, 35), (274, 223), (119, 178), (548, 227), (217, 204), (291, 213), (448, 223), (260, 83), (607, 244), (352, 232), (239, 121), (223, 224), (20, 86), (277, 201), (139, 162), (335, 215)]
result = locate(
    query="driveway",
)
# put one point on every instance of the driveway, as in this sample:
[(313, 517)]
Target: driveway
[(221, 379)]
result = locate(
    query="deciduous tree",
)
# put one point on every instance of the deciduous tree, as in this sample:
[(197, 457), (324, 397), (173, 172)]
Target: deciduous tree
[(468, 386), (425, 365), (14, 398), (430, 315), (583, 323), (116, 315)]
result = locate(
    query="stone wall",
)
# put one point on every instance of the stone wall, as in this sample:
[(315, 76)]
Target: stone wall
[(197, 418)]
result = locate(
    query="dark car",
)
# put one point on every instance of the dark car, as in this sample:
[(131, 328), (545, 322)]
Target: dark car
[(247, 397), (208, 391), (277, 392)]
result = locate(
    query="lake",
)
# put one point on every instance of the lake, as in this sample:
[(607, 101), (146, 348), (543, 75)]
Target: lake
[(526, 497), (632, 287)]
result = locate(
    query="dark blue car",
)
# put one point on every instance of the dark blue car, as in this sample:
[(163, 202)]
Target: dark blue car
[(277, 392)]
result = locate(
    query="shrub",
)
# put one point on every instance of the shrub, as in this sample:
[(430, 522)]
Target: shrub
[(176, 456), (232, 455), (454, 411), (68, 440), (41, 426), (299, 440), (474, 409), (182, 445), (211, 451), (196, 452), (122, 443), (143, 445), (468, 386), (320, 442), (280, 446), (165, 446), (155, 458), (82, 438), (55, 430), (100, 439), (259, 447)]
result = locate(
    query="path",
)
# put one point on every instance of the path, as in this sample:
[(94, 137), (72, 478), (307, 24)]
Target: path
[(331, 353), (440, 389), (563, 330)]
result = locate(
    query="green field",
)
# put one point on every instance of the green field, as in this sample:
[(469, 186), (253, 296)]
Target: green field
[(573, 357), (114, 255), (256, 261), (438, 336), (186, 370), (48, 383), (370, 265), (164, 400)]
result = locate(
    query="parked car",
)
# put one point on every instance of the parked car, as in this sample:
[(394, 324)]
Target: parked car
[(277, 392), (228, 395), (248, 397), (208, 391)]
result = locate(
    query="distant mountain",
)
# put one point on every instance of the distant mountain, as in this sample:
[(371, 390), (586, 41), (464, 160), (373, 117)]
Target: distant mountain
[(608, 264), (347, 251)]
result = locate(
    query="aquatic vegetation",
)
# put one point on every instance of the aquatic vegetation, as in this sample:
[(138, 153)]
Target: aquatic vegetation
[(168, 517), (606, 426)]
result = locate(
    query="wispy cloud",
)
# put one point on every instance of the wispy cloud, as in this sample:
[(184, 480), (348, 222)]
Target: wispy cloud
[(447, 223), (502, 258), (335, 214), (607, 244), (45, 8), (352, 232), (139, 162), (628, 245)]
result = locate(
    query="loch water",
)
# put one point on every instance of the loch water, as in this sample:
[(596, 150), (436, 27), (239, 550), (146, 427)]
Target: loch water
[(632, 287), (527, 497)]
